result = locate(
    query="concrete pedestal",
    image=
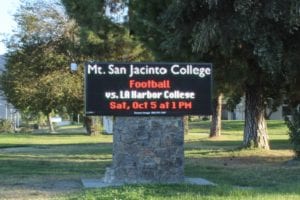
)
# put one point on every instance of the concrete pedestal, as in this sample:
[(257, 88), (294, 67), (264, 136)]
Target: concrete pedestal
[(147, 150)]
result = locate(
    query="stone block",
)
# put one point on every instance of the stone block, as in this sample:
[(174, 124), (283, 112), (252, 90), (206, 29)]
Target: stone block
[(147, 150)]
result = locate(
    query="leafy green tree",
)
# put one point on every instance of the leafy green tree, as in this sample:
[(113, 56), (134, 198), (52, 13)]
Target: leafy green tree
[(294, 132), (292, 73), (103, 38), (37, 76), (149, 19), (144, 17), (251, 37), (144, 20)]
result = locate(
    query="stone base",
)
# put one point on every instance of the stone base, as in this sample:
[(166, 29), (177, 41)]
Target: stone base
[(100, 183), (147, 150)]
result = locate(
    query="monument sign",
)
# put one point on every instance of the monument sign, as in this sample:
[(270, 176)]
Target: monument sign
[(148, 148)]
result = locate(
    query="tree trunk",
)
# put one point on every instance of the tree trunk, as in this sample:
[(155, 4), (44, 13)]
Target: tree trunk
[(215, 127), (50, 124), (255, 129), (93, 125), (88, 124)]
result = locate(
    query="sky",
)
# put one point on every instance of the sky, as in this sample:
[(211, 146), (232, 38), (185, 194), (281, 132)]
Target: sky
[(7, 24)]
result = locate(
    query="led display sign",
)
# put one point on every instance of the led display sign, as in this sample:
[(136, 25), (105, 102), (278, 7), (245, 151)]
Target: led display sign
[(145, 89)]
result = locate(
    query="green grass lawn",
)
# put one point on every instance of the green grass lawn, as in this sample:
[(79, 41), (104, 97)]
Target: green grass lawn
[(31, 165)]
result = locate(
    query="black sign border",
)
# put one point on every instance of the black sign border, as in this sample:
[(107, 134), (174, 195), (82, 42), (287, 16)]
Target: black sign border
[(178, 113)]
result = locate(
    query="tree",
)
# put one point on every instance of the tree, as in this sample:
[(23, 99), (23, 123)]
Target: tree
[(100, 37), (294, 132), (250, 36), (292, 74), (144, 17), (166, 29), (37, 76), (103, 37)]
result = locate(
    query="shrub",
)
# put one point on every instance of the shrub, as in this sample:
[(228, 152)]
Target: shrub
[(293, 124), (25, 129), (5, 126), (36, 126)]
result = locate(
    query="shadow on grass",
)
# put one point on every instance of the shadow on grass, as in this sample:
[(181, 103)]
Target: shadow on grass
[(213, 144), (235, 125), (82, 148), (69, 129), (34, 167), (55, 160), (247, 171), (57, 134), (280, 144), (275, 144)]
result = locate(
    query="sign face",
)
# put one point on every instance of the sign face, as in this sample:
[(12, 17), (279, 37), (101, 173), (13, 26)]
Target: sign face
[(146, 89)]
